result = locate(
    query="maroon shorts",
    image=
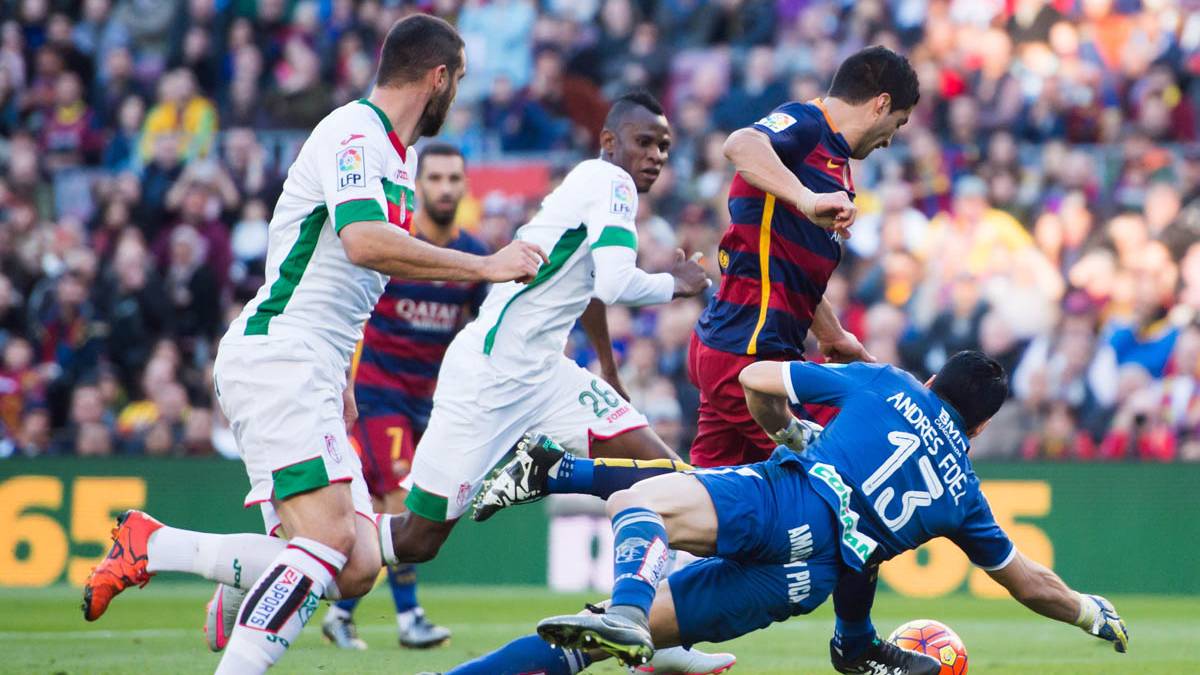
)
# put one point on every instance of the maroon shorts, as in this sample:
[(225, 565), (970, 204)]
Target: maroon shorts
[(386, 444), (726, 434)]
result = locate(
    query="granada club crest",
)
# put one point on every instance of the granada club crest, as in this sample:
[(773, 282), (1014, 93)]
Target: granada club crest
[(464, 493)]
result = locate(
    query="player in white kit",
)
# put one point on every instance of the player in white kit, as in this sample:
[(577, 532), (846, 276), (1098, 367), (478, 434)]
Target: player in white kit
[(338, 232), (505, 373)]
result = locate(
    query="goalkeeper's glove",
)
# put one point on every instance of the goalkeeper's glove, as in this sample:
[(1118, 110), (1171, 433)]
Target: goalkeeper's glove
[(797, 434), (1098, 617)]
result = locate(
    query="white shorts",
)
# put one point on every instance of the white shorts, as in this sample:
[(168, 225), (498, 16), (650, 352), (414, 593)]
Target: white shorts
[(283, 400), (478, 415)]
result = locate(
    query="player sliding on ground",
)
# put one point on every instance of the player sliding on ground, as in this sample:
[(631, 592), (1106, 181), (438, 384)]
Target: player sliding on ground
[(888, 474), (775, 260), (338, 232)]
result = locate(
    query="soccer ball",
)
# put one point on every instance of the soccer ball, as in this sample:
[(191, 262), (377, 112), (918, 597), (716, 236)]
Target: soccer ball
[(935, 639)]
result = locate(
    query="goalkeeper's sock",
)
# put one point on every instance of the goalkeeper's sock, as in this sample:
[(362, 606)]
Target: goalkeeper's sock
[(529, 654), (602, 477), (279, 604), (232, 559), (640, 557), (853, 598)]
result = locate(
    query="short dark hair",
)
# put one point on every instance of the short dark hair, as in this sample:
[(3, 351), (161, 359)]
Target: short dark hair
[(436, 149), (873, 71), (415, 45), (629, 101), (974, 384)]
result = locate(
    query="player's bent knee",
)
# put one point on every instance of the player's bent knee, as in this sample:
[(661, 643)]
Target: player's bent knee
[(362, 566), (339, 536), (358, 578), (626, 499)]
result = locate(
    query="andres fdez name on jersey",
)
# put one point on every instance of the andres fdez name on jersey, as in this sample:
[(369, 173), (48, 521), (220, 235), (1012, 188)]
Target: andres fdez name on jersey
[(951, 474)]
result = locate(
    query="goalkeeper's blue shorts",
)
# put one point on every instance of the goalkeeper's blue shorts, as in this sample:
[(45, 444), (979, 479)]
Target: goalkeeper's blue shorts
[(777, 554)]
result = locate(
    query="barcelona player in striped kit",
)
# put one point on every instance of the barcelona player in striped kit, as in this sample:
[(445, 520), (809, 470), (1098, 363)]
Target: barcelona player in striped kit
[(395, 373), (775, 258), (775, 263), (790, 205)]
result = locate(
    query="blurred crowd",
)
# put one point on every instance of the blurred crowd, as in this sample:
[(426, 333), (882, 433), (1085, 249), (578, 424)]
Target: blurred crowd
[(1043, 204)]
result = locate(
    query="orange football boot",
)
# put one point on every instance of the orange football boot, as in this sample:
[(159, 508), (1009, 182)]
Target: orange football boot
[(124, 566)]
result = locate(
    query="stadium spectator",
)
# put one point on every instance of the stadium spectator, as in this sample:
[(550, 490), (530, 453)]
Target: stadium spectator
[(138, 311), (183, 111)]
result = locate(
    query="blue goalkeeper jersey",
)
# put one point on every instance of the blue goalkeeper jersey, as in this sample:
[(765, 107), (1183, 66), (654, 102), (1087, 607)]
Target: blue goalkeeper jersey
[(893, 465)]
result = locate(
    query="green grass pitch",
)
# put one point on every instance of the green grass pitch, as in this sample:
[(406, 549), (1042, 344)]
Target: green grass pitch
[(157, 630)]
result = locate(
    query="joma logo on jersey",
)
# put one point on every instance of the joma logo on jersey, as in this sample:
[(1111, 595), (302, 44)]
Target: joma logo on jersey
[(351, 167)]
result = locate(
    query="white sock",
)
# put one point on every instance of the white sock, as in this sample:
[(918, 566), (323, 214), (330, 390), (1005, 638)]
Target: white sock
[(406, 619), (232, 559), (336, 612), (279, 604), (383, 522)]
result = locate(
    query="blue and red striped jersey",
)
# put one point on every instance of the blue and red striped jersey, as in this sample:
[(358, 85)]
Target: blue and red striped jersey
[(774, 261), (407, 336)]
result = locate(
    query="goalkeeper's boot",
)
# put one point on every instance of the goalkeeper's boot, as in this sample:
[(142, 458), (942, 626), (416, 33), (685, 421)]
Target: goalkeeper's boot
[(523, 479), (680, 661), (341, 631), (220, 615), (884, 658), (124, 566), (620, 631), (423, 633)]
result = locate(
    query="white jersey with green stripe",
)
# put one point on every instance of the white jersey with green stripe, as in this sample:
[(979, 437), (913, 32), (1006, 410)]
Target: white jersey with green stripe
[(523, 328), (352, 168)]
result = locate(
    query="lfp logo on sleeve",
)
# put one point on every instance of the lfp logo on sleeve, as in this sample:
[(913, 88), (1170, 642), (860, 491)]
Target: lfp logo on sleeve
[(777, 121), (622, 200), (351, 167)]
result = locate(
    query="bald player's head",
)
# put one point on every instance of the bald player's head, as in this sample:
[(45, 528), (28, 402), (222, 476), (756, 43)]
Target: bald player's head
[(636, 137)]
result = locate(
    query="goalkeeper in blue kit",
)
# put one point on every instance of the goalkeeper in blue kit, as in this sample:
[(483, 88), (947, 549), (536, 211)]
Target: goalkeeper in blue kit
[(888, 474)]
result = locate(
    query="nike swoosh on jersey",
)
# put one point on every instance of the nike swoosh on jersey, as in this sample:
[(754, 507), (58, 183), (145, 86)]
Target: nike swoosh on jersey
[(828, 163), (352, 137)]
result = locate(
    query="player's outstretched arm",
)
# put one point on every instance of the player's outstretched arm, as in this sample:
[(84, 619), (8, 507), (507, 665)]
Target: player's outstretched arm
[(751, 153), (620, 281), (767, 399), (1040, 589), (382, 247)]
